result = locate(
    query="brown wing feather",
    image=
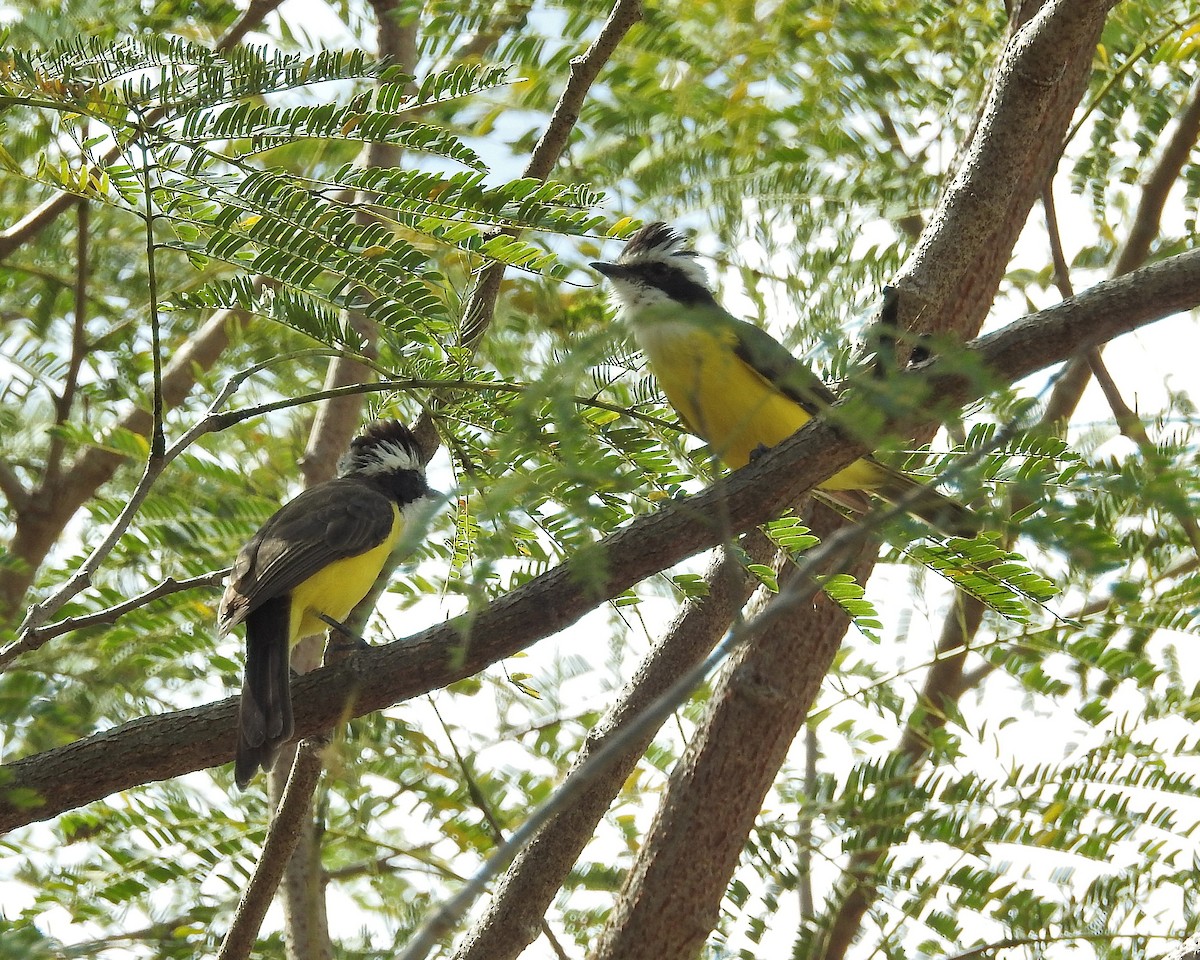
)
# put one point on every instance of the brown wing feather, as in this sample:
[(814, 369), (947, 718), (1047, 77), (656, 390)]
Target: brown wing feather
[(331, 521)]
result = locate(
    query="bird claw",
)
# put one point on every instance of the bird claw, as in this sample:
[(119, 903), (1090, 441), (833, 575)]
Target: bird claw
[(342, 639)]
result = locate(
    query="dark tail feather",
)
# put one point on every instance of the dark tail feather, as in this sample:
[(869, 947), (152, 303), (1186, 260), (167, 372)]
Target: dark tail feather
[(941, 512), (265, 717)]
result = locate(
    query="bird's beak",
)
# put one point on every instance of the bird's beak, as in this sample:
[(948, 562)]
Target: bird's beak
[(607, 269)]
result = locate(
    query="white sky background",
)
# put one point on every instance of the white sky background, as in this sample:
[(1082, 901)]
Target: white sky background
[(1144, 364)]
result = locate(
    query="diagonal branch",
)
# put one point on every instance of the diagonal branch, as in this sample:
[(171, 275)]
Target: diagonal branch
[(477, 316), (293, 811), (947, 680), (538, 872), (156, 748), (672, 896), (1147, 223), (550, 147)]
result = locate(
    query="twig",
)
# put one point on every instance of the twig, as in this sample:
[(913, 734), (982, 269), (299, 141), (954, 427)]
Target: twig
[(1062, 272), (225, 420), (282, 835), (1130, 424), (1127, 420), (158, 442), (804, 826), (991, 949), (111, 614), (39, 613), (1147, 221), (67, 398)]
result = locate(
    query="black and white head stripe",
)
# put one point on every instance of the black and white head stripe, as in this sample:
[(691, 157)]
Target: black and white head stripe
[(386, 446), (655, 241)]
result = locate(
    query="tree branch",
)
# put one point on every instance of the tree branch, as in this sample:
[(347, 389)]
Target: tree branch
[(477, 316), (112, 614), (290, 816), (1147, 223), (157, 461), (337, 421), (539, 870), (950, 279), (13, 489), (672, 896), (944, 685), (156, 748)]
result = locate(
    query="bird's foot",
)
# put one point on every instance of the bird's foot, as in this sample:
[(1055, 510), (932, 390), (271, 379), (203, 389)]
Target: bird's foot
[(343, 639)]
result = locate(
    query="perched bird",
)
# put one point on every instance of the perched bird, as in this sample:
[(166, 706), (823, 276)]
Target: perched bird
[(320, 553), (732, 383)]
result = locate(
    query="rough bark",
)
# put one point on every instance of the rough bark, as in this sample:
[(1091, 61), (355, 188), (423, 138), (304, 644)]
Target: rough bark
[(512, 919), (947, 285), (672, 897), (950, 278)]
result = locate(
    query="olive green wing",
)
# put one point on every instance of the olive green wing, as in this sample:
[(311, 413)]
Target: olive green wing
[(772, 361), (326, 523)]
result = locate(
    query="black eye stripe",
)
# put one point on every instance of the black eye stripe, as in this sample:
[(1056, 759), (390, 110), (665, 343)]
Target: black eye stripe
[(675, 283)]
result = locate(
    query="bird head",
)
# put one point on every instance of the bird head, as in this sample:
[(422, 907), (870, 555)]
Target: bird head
[(656, 267)]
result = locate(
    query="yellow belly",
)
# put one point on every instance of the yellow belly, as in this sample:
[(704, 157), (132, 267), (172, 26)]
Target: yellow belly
[(728, 404), (335, 590)]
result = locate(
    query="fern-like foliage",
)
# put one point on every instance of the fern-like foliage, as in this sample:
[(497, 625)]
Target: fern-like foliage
[(199, 129)]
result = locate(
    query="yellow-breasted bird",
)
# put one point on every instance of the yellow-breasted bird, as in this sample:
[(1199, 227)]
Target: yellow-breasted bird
[(732, 383), (318, 554)]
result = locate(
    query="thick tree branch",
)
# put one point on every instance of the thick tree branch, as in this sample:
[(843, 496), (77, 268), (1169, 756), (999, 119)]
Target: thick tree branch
[(156, 748), (947, 285), (538, 872), (949, 281), (672, 896)]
